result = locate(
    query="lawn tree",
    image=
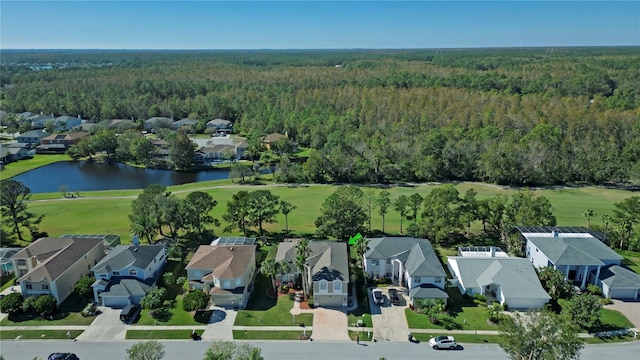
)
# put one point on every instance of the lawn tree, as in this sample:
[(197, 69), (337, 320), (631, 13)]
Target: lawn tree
[(539, 336), (150, 204), (154, 299), (302, 254), (141, 150), (195, 300), (442, 211), (105, 140), (197, 211), (83, 287), (368, 204), (383, 201), (400, 205), (268, 269), (626, 214), (12, 303), (13, 207), (524, 209), (172, 214), (146, 350), (554, 283), (229, 350), (588, 214), (313, 168), (286, 208), (262, 208), (45, 305), (144, 225), (239, 171), (182, 151), (584, 310), (237, 212), (492, 211), (341, 214), (415, 201), (469, 211)]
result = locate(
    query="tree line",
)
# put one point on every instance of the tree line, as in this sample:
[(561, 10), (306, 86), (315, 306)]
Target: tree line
[(512, 116)]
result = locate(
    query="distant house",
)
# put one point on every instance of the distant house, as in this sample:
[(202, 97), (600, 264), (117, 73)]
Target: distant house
[(32, 137), (273, 138), (327, 272), (59, 143), (408, 262), (216, 153), (38, 121), (223, 272), (185, 124), (127, 273), (5, 259), (120, 125), (66, 123), (53, 265), (507, 280), (220, 126), (14, 152), (158, 122)]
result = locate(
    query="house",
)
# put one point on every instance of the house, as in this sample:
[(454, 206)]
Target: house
[(220, 126), (54, 265), (273, 138), (38, 121), (225, 273), (32, 137), (216, 153), (186, 124), (58, 143), (66, 123), (121, 124), (579, 255), (5, 259), (408, 262), (507, 280), (327, 270), (5, 157), (109, 241), (618, 282), (127, 273), (157, 122), (14, 152)]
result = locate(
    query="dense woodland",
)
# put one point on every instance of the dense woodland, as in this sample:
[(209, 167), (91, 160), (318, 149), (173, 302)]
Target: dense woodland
[(507, 116)]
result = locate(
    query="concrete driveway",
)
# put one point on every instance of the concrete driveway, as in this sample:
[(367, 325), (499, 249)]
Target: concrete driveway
[(629, 308), (106, 327), (389, 321), (330, 325), (220, 325)]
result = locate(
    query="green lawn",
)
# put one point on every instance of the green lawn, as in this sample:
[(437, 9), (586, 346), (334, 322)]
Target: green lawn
[(268, 335), (67, 314), (6, 281), (21, 166), (613, 320), (159, 334), (264, 310), (631, 259), (364, 335), (39, 334)]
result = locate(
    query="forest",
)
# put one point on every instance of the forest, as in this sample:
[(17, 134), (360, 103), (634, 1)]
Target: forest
[(518, 116)]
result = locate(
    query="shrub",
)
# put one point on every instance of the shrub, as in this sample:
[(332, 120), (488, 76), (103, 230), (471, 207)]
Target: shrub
[(195, 300), (594, 290), (505, 306), (27, 304), (45, 305), (89, 310), (12, 303), (480, 297), (83, 287)]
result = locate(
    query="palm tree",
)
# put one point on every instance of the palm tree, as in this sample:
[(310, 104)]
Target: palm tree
[(400, 205), (269, 269), (286, 208), (362, 246), (302, 254), (282, 267), (144, 226), (588, 214)]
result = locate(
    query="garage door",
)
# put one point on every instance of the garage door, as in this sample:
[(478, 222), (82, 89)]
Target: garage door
[(622, 293), (329, 300), (116, 302)]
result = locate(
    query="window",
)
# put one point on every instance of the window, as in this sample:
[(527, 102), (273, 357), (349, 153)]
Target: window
[(322, 285), (133, 272), (227, 284), (116, 273), (438, 280), (89, 267), (28, 286), (22, 262), (416, 279), (23, 272), (103, 276), (45, 287), (337, 286), (375, 262), (238, 282)]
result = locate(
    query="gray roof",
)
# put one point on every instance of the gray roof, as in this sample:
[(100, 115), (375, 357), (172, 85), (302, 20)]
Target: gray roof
[(123, 256), (428, 291), (127, 287), (417, 255), (156, 119), (185, 122), (574, 250), (221, 122), (35, 133), (616, 276), (328, 259), (516, 276), (7, 253)]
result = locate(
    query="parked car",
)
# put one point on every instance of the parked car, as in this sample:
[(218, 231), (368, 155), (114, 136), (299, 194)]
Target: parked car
[(378, 298), (63, 356), (393, 296), (129, 313), (443, 342)]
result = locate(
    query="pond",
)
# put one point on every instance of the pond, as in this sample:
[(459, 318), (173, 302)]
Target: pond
[(92, 176)]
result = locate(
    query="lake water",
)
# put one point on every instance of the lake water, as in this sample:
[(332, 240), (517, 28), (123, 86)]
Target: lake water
[(91, 176)]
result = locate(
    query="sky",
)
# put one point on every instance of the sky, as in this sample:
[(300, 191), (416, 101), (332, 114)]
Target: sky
[(315, 24)]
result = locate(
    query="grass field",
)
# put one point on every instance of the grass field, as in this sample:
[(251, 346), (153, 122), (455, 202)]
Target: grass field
[(106, 211), (19, 167), (268, 335), (159, 334), (39, 334)]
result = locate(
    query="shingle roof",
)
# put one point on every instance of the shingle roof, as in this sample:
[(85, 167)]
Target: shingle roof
[(123, 256), (127, 287), (585, 250), (516, 276), (273, 137), (328, 259), (417, 255), (225, 262), (34, 133), (217, 122), (616, 276), (428, 291), (55, 256)]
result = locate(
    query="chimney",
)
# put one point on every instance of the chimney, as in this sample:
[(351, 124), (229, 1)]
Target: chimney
[(493, 251), (79, 116), (555, 233)]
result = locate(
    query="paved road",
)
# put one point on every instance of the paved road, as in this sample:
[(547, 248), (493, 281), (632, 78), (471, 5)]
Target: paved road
[(289, 350)]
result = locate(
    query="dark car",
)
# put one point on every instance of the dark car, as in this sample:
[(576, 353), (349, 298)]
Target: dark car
[(63, 356), (378, 298), (393, 296)]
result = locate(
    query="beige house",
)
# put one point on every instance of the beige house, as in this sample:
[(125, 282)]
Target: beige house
[(224, 272), (327, 270), (54, 265)]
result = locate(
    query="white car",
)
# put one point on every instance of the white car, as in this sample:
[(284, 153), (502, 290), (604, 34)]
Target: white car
[(443, 342), (378, 298)]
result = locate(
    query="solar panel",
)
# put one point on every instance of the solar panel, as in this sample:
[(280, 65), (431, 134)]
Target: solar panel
[(231, 240)]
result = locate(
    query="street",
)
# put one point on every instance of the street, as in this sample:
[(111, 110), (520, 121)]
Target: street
[(292, 350)]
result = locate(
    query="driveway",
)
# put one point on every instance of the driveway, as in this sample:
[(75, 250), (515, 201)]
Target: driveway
[(330, 325), (220, 325), (629, 308), (106, 327), (389, 321)]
